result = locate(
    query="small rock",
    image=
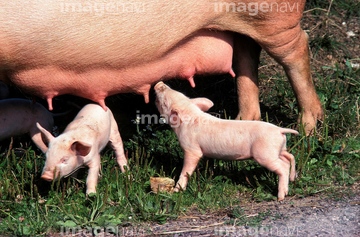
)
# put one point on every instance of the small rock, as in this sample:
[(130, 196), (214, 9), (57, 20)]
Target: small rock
[(355, 65), (350, 34), (162, 184)]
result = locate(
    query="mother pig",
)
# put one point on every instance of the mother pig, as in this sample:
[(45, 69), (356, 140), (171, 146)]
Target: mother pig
[(95, 48)]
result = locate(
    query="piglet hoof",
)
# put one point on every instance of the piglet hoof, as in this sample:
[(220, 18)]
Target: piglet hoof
[(281, 196), (130, 177), (178, 188), (127, 175), (90, 193)]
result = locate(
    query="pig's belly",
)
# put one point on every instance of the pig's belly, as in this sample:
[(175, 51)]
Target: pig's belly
[(227, 148), (228, 154), (205, 54)]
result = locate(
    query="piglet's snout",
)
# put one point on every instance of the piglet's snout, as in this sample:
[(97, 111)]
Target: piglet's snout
[(47, 175), (160, 87)]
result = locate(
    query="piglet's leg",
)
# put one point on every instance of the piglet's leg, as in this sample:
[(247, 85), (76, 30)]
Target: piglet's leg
[(117, 145), (281, 168), (288, 157), (93, 174), (190, 163)]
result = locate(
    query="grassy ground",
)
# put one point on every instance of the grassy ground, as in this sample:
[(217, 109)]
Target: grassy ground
[(326, 162)]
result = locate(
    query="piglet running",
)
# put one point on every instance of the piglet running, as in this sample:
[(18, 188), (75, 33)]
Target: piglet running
[(201, 134)]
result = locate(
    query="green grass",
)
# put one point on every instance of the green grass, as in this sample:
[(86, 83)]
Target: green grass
[(344, 8), (326, 162)]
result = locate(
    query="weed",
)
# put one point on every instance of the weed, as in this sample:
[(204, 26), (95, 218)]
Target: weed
[(239, 218), (350, 8), (325, 42)]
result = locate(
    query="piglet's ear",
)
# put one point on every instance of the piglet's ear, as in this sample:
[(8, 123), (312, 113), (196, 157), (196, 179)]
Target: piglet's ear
[(81, 148), (174, 118), (45, 134), (203, 103)]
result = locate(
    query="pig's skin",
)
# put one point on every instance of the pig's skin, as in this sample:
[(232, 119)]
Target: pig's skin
[(50, 49), (80, 145), (19, 116), (201, 134)]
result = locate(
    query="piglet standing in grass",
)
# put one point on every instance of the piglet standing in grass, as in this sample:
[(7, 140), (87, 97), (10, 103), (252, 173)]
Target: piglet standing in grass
[(201, 134), (80, 145)]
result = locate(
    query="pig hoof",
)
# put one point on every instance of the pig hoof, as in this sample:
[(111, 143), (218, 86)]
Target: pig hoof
[(281, 197), (130, 177), (178, 189), (91, 193)]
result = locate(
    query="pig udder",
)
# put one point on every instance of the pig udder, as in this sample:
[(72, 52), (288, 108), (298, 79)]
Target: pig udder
[(206, 52)]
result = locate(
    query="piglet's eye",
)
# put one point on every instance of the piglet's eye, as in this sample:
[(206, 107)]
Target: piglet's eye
[(64, 160)]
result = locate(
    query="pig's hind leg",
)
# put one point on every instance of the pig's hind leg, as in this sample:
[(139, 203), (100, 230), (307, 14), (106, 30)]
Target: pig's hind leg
[(288, 157), (291, 50), (280, 167)]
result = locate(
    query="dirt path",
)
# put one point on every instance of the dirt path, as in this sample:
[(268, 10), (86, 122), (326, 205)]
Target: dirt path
[(311, 216), (320, 216)]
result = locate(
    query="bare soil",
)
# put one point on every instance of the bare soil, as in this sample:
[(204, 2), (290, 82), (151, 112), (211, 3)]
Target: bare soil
[(319, 215), (310, 216)]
